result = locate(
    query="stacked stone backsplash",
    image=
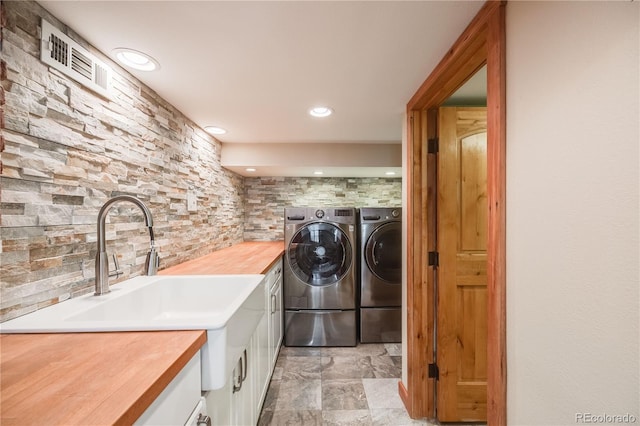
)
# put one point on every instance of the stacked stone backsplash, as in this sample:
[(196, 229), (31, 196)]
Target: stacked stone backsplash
[(66, 151), (267, 197)]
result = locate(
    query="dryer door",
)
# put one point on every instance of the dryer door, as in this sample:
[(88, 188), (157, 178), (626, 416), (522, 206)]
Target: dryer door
[(320, 254), (383, 252)]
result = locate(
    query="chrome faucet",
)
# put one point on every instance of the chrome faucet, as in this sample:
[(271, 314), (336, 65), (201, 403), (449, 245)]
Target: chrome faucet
[(102, 260)]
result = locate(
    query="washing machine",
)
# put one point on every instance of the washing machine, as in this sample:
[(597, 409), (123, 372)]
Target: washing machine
[(320, 276), (381, 274)]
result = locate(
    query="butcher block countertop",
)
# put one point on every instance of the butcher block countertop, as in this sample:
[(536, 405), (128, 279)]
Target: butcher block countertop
[(108, 378), (244, 258), (89, 378)]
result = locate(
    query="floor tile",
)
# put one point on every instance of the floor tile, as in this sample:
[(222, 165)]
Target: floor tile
[(343, 394), (337, 386), (277, 373), (393, 417), (394, 349), (371, 349), (307, 367), (346, 417), (383, 367), (382, 393), (340, 367), (299, 395), (290, 351), (397, 361), (281, 359), (344, 351), (292, 418), (271, 398)]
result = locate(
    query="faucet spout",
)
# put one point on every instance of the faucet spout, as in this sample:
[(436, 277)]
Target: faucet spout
[(102, 260)]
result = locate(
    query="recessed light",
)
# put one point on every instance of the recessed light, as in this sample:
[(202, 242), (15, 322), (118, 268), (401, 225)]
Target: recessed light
[(250, 169), (135, 59), (215, 130), (318, 172), (320, 111), (390, 173)]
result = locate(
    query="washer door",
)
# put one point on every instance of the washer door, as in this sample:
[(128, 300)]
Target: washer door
[(320, 254), (383, 252)]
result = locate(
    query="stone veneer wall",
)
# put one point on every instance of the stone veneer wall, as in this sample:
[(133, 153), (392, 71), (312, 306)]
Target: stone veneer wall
[(66, 151), (266, 199)]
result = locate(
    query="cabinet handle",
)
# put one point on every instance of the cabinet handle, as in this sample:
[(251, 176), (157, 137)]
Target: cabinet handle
[(246, 366), (237, 387), (273, 303), (203, 420)]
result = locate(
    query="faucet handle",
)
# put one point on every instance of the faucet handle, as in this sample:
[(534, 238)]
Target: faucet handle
[(117, 272)]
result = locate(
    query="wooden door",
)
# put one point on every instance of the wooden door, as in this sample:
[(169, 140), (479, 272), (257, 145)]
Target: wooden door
[(462, 212)]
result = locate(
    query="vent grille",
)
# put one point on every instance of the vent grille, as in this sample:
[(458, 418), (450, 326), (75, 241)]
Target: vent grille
[(81, 64), (343, 212), (59, 50), (102, 75), (67, 56)]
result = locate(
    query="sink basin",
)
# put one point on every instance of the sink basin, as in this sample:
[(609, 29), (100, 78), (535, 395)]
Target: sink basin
[(228, 307)]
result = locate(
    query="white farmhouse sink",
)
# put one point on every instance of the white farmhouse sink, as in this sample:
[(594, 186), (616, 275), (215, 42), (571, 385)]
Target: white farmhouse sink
[(228, 307)]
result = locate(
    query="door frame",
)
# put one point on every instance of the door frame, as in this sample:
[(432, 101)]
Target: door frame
[(482, 42)]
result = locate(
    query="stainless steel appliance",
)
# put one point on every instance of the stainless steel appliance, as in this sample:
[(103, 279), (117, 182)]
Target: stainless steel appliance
[(381, 274), (320, 276)]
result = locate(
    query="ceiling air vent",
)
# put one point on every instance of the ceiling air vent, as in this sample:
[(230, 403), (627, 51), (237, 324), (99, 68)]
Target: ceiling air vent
[(67, 56)]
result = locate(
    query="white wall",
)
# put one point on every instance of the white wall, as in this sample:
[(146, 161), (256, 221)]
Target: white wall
[(572, 210), (303, 159)]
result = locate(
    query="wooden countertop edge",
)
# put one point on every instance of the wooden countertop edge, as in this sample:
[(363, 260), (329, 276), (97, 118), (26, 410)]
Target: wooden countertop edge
[(249, 257), (273, 262), (146, 399), (106, 397)]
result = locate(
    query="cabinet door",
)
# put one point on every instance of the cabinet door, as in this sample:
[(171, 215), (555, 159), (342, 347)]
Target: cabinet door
[(219, 402), (276, 319), (274, 310), (242, 410), (232, 405), (242, 401), (262, 361)]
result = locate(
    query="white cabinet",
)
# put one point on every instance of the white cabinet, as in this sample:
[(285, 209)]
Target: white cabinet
[(275, 313), (242, 395), (232, 405), (239, 402), (260, 362), (177, 401)]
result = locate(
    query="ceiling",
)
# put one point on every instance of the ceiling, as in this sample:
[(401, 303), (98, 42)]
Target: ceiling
[(255, 68)]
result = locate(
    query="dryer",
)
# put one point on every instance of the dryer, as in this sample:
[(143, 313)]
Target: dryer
[(320, 276), (381, 274)]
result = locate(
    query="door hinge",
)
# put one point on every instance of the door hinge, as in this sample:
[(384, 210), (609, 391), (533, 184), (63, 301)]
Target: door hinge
[(433, 146), (434, 258), (434, 372)]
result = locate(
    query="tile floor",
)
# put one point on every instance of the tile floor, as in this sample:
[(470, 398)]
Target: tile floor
[(336, 386)]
